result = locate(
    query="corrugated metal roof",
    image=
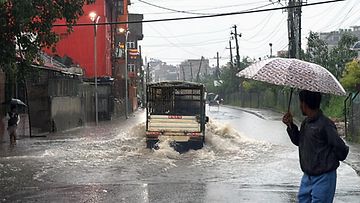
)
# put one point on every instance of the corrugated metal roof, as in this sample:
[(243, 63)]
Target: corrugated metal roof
[(175, 84)]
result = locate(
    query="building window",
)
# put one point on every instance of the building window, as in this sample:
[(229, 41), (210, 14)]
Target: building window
[(120, 7), (131, 68), (119, 52), (131, 45)]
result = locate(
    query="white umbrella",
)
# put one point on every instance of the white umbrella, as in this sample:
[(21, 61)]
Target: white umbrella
[(14, 101), (294, 73)]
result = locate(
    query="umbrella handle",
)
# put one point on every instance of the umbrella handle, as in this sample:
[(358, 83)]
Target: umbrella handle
[(291, 93)]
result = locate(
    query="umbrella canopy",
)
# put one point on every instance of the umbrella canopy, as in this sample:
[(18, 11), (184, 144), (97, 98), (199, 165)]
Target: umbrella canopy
[(294, 73), (14, 101)]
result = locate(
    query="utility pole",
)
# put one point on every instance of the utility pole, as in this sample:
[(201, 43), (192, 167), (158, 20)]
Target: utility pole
[(191, 72), (294, 27), (270, 44), (183, 70), (291, 30), (142, 79), (231, 54), (217, 60), (237, 46), (148, 73), (198, 73), (298, 14)]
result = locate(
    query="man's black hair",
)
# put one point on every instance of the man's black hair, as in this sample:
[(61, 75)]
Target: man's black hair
[(12, 107), (311, 99)]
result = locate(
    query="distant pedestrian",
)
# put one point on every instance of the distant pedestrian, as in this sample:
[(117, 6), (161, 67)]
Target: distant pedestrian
[(13, 120), (320, 150)]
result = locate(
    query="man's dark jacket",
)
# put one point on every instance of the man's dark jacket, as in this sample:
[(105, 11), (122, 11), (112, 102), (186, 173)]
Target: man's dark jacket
[(320, 147)]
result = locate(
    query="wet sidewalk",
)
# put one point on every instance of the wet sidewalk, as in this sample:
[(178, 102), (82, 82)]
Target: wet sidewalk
[(104, 131), (353, 158)]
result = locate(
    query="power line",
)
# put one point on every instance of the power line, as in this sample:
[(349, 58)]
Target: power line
[(345, 18), (326, 11), (189, 34), (195, 13), (175, 45), (332, 20), (201, 17), (261, 29), (188, 45), (269, 36), (174, 10), (179, 42), (257, 25), (211, 8)]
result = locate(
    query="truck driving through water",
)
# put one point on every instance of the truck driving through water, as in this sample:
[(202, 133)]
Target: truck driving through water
[(176, 111)]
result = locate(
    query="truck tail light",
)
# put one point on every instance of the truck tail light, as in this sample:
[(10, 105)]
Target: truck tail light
[(153, 134), (194, 134)]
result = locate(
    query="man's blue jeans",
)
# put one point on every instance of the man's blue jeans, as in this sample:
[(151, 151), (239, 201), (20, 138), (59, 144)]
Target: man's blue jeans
[(320, 188)]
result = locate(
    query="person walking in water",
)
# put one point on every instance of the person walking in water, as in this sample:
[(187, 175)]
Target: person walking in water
[(320, 150), (13, 120)]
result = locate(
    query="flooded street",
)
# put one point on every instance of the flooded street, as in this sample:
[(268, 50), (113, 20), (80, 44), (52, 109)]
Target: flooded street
[(247, 157)]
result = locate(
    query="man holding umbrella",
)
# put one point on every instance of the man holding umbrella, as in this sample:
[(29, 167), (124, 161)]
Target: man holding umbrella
[(320, 149), (13, 120)]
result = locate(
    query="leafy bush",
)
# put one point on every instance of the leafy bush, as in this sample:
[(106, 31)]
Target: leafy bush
[(335, 107)]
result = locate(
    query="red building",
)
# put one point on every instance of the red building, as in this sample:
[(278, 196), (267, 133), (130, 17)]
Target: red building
[(134, 57), (79, 45)]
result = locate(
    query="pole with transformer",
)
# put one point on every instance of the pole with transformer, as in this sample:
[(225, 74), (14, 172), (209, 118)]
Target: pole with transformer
[(299, 27), (235, 33), (231, 54), (294, 32)]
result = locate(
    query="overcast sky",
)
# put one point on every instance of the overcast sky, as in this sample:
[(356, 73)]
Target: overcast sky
[(175, 41)]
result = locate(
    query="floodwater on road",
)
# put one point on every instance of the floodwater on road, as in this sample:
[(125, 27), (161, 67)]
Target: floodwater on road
[(245, 159)]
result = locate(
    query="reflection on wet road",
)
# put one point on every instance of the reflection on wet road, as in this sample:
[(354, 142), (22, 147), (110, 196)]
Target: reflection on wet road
[(246, 158)]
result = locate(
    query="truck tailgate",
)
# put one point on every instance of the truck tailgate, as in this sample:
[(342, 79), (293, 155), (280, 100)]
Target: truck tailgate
[(165, 123)]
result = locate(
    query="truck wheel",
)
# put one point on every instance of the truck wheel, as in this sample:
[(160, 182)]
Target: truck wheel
[(152, 144)]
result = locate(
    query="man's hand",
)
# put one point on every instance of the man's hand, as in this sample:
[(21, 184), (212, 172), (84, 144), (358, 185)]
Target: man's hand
[(287, 119)]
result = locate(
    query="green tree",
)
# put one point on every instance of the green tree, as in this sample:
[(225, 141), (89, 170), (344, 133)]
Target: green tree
[(230, 80), (341, 54), (351, 76), (317, 50), (26, 28)]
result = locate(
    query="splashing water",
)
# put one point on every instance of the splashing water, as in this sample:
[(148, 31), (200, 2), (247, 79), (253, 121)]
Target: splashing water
[(226, 140)]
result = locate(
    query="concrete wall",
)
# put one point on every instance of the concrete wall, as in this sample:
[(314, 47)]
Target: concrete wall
[(105, 102), (66, 113), (59, 102), (39, 106)]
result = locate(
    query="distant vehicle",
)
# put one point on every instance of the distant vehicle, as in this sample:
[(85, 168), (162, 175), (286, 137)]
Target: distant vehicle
[(214, 103), (176, 110), (213, 100)]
